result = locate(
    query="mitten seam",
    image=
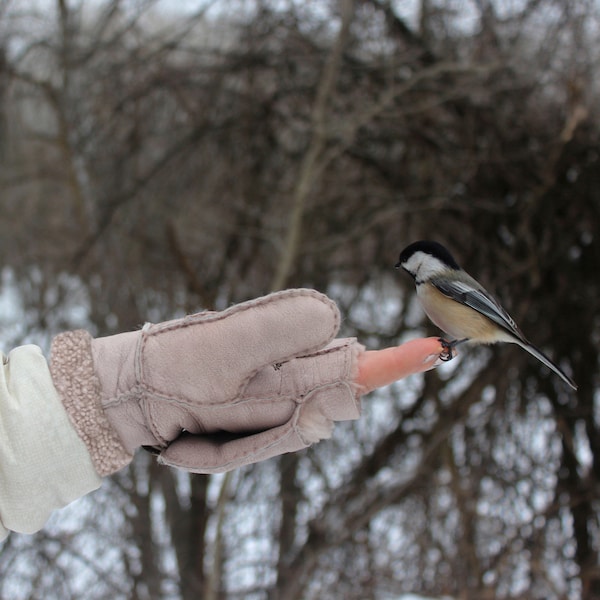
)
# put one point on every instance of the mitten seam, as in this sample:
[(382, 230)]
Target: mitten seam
[(151, 330)]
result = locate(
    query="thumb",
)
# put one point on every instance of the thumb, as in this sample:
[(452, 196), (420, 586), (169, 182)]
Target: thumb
[(221, 349), (281, 325)]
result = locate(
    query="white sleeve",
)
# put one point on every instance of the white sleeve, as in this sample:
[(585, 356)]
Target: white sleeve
[(43, 463)]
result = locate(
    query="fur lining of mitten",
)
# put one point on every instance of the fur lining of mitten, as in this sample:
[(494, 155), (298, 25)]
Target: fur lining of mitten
[(72, 370)]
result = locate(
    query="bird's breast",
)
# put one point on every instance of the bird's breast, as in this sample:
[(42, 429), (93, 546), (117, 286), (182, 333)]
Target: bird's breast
[(456, 319)]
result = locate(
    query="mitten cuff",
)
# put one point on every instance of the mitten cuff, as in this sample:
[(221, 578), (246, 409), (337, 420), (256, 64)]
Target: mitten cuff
[(73, 374), (337, 396)]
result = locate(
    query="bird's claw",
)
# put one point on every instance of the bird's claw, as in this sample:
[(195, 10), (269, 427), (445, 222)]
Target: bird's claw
[(448, 350)]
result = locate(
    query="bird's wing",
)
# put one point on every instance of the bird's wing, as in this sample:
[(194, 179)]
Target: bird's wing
[(478, 299), (474, 296)]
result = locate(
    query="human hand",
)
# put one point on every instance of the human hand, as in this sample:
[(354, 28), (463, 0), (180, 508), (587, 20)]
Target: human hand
[(217, 390)]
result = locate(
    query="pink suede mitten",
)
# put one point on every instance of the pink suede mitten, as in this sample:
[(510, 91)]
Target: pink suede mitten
[(211, 391)]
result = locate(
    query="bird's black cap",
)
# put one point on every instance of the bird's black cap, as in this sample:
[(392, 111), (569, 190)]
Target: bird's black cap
[(428, 247)]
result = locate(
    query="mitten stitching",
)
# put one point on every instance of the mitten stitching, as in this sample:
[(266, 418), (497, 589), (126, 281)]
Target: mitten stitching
[(150, 330)]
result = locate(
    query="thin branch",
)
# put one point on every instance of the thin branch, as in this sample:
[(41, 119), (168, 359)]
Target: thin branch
[(309, 169)]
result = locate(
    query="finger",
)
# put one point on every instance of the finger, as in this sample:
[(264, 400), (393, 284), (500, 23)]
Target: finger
[(377, 368), (223, 452)]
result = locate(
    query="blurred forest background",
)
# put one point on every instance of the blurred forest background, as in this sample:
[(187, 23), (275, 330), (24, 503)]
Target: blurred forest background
[(159, 158)]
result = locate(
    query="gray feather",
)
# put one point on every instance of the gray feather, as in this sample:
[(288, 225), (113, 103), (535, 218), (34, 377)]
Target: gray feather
[(473, 295)]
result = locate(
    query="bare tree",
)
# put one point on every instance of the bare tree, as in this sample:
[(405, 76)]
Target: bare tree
[(154, 164)]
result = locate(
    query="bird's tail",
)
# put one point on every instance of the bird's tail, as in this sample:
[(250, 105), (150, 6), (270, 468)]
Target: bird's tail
[(544, 359)]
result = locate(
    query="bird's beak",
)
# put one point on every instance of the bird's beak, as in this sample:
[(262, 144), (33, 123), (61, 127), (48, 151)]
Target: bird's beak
[(398, 266)]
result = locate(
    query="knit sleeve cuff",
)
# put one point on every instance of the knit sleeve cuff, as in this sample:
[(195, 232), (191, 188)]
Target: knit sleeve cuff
[(73, 375)]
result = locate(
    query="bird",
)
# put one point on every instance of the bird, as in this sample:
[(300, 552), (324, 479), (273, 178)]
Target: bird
[(460, 306)]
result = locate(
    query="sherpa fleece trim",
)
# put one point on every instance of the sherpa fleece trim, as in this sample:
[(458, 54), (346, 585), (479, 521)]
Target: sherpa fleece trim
[(72, 370)]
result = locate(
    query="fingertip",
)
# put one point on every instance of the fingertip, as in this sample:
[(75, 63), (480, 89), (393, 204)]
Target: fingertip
[(382, 367), (433, 343), (425, 351), (433, 358)]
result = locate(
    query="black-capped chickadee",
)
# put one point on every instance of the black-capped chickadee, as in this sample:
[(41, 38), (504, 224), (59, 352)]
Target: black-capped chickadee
[(459, 305)]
